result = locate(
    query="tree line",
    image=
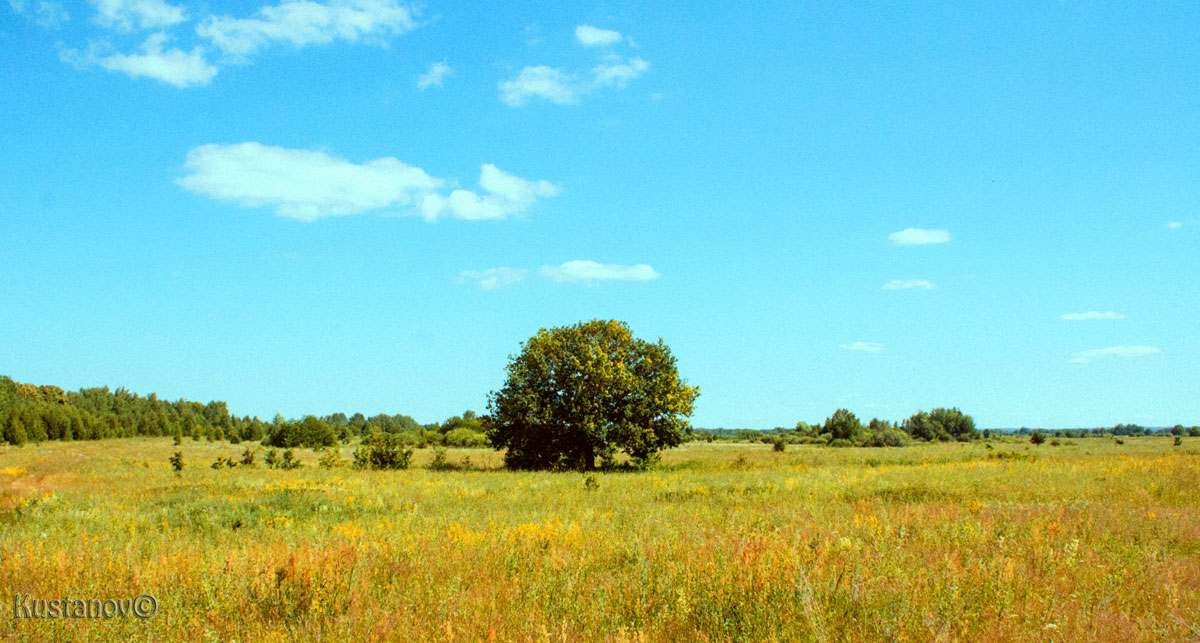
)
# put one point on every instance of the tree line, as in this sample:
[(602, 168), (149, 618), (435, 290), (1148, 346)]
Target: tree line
[(32, 413)]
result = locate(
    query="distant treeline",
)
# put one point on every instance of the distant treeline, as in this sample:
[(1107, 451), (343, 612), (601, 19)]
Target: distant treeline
[(31, 413), (941, 424)]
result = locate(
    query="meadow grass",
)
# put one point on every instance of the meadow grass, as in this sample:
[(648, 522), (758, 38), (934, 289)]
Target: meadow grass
[(1085, 541)]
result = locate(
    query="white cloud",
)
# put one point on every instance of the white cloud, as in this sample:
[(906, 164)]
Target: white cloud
[(590, 36), (863, 347), (1091, 314), (617, 71), (541, 82), (493, 278), (128, 15), (1084, 357), (919, 237), (437, 71), (506, 194), (307, 185), (50, 15), (303, 23), (901, 284), (174, 67), (576, 271), (1175, 225)]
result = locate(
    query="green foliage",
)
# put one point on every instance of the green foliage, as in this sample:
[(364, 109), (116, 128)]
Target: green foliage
[(289, 462), (1037, 438), (331, 459), (466, 438), (223, 462), (941, 424), (591, 482), (779, 444), (590, 390), (248, 457), (382, 451), (309, 432), (177, 463), (842, 425), (272, 459), (1178, 441)]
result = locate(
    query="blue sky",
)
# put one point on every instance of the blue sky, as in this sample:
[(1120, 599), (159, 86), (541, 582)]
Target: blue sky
[(310, 207)]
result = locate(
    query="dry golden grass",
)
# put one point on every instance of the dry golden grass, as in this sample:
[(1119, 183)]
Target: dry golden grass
[(1090, 541)]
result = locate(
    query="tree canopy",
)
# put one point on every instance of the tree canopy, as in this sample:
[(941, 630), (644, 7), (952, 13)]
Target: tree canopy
[(589, 390)]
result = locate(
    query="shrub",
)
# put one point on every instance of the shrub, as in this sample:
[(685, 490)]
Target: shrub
[(779, 444), (591, 482), (177, 463), (289, 462), (1037, 438), (272, 458), (331, 459), (1178, 440), (466, 438), (248, 457), (439, 462), (889, 437), (840, 442), (382, 451)]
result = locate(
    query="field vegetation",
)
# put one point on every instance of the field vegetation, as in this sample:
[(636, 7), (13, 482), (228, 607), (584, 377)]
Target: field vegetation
[(997, 540)]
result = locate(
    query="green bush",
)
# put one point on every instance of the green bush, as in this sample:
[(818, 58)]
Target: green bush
[(779, 444), (383, 451), (1037, 438), (465, 438), (289, 462)]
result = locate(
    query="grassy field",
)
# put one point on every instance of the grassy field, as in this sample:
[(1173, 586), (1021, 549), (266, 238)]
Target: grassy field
[(1085, 541)]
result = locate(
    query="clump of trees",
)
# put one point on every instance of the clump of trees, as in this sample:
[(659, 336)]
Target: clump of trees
[(37, 413), (843, 429)]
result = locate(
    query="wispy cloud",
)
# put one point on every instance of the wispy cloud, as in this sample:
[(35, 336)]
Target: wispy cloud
[(437, 71), (127, 15), (902, 284), (617, 71), (590, 36), (493, 278), (540, 82), (308, 185), (1174, 225), (863, 347), (919, 237), (506, 195), (50, 15), (1084, 357), (566, 88), (577, 271), (302, 23), (1091, 314), (172, 66)]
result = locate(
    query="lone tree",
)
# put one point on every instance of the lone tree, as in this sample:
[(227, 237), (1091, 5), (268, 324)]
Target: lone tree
[(589, 390)]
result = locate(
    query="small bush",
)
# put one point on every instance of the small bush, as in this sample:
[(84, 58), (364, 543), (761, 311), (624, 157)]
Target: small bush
[(840, 442), (331, 459), (272, 459), (223, 463), (177, 463), (1037, 438), (1118, 441), (383, 451), (1055, 442), (248, 457), (591, 482), (779, 445), (1012, 455), (1178, 440), (439, 462), (289, 461)]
